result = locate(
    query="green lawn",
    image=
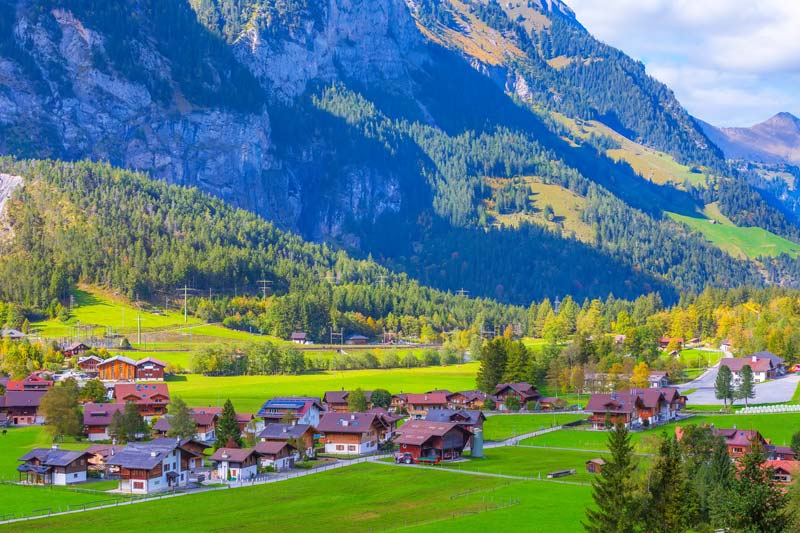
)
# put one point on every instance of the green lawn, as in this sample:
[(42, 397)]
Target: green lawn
[(358, 498), (501, 427), (22, 500), (745, 243), (248, 393), (19, 441), (694, 358)]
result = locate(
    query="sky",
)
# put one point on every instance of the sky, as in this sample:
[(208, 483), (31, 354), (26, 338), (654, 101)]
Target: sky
[(730, 62)]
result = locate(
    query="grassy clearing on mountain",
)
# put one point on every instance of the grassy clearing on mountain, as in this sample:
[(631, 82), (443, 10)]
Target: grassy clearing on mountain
[(745, 243)]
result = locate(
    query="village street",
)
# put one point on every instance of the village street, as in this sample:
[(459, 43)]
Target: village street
[(778, 390)]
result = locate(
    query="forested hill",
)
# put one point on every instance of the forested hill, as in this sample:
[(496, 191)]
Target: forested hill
[(494, 147), (91, 223)]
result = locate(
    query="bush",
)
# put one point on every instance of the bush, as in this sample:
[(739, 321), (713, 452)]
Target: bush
[(431, 358), (489, 404), (390, 360), (409, 361), (512, 403)]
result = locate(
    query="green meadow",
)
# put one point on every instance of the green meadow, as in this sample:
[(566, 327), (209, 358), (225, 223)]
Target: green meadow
[(248, 393), (501, 427)]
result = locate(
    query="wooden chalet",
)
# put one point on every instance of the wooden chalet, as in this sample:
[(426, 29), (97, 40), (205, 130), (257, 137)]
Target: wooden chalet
[(278, 455), (118, 368), (523, 392), (443, 440), (469, 399), (783, 472), (149, 369), (398, 402), (417, 405), (353, 433), (277, 432), (76, 349), (299, 337), (53, 466), (97, 417), (21, 407), (337, 401), (155, 466), (635, 407), (34, 382), (88, 365), (356, 340), (304, 409), (468, 419), (150, 398)]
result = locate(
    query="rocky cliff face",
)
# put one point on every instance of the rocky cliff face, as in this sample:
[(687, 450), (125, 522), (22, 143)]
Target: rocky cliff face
[(61, 97)]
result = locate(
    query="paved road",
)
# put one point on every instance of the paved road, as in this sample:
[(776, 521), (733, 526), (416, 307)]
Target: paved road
[(776, 391)]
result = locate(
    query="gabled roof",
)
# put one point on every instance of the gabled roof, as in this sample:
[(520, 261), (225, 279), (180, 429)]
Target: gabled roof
[(32, 382), (284, 431), (522, 388), (350, 422), (472, 395), (462, 416), (341, 396), (787, 466), (143, 391), (100, 414), (53, 456), (299, 336), (151, 361), (146, 455), (776, 360), (436, 398), (103, 450), (599, 461), (418, 432), (738, 437), (11, 334), (272, 447), (736, 363), (298, 404), (90, 357), (75, 346), (234, 455), (24, 398), (120, 358)]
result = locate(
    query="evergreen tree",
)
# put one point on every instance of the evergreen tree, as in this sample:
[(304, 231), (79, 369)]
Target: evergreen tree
[(357, 401), (228, 427), (381, 398), (723, 386), (181, 422), (670, 507), (795, 444), (613, 491), (493, 365), (746, 389), (116, 428), (133, 424), (756, 503), (517, 364)]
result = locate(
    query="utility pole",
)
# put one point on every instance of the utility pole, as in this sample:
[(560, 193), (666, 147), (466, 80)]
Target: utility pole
[(138, 329), (264, 284), (462, 292)]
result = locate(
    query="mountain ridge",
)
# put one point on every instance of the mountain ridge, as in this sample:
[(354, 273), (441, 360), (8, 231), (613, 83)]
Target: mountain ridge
[(775, 140)]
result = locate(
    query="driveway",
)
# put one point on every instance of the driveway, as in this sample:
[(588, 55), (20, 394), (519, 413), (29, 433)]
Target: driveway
[(778, 390)]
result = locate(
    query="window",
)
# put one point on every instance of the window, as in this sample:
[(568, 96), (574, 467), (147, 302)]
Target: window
[(74, 476), (351, 448), (138, 485), (340, 447)]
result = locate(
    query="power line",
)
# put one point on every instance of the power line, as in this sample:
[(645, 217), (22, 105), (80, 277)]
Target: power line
[(264, 284)]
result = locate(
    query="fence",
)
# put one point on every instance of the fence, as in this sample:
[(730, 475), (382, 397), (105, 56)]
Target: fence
[(769, 409)]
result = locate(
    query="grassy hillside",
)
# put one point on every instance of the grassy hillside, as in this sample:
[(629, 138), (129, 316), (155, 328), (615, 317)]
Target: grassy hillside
[(748, 243)]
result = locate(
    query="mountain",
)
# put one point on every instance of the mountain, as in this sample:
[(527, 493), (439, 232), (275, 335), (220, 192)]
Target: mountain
[(439, 137), (776, 140)]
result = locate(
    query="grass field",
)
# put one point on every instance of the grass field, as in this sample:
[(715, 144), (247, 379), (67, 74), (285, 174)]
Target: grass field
[(25, 500), (748, 243), (248, 393), (530, 462), (366, 497), (694, 358), (501, 427), (19, 441)]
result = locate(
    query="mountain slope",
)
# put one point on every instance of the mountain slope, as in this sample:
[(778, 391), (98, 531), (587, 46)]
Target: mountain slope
[(380, 126), (776, 140)]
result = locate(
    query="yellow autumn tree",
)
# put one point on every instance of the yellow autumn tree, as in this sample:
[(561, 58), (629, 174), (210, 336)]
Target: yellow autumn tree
[(641, 372)]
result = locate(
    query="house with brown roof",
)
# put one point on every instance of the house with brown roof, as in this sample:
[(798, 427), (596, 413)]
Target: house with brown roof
[(88, 365), (150, 398), (149, 369), (205, 420), (523, 392), (352, 433), (740, 441), (117, 368), (336, 401), (762, 367), (417, 405), (155, 466), (635, 407), (33, 382), (422, 438), (658, 379), (398, 402), (469, 419), (53, 466), (595, 466), (299, 337), (277, 432), (99, 454), (783, 472), (97, 417), (468, 399), (235, 464), (664, 342), (75, 349), (21, 407), (276, 454)]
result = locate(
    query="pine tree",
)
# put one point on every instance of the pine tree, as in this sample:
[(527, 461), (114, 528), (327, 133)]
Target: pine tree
[(228, 427), (756, 503), (723, 386), (669, 506), (181, 422), (613, 491), (493, 365), (116, 428), (517, 364), (746, 389), (133, 425)]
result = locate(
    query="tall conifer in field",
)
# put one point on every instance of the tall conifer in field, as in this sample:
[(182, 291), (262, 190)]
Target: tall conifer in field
[(670, 508), (181, 422), (614, 490), (227, 427), (746, 389), (723, 386)]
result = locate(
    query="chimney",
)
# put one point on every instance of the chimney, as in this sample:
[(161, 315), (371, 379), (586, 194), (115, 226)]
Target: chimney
[(352, 417), (54, 446), (754, 358), (286, 430), (153, 454)]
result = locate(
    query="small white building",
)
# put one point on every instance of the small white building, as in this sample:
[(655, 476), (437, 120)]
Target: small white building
[(234, 464)]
